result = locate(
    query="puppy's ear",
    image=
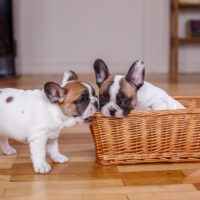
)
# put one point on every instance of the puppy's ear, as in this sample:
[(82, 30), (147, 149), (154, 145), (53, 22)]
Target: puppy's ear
[(54, 92), (101, 71), (135, 75), (69, 76)]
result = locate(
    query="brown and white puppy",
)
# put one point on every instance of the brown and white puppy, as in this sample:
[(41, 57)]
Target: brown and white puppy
[(38, 116), (118, 95)]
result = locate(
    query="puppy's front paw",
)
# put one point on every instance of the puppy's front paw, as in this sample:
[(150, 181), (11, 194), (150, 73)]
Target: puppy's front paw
[(8, 150), (42, 168), (60, 158)]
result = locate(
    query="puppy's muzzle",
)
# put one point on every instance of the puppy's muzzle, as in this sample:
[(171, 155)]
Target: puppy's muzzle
[(112, 112)]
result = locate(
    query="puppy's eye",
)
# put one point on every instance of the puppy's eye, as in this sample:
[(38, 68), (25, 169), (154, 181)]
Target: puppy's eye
[(125, 102), (104, 97), (81, 100)]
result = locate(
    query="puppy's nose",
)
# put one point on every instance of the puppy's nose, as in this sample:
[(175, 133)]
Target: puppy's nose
[(112, 112), (96, 104)]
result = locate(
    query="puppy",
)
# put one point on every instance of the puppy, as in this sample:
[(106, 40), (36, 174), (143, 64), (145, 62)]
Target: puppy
[(118, 95), (38, 116)]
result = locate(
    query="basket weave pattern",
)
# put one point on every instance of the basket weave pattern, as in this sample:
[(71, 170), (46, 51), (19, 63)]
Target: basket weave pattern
[(149, 136)]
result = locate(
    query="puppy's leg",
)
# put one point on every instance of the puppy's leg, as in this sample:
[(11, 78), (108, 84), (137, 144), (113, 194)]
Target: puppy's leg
[(38, 155), (53, 150), (5, 147)]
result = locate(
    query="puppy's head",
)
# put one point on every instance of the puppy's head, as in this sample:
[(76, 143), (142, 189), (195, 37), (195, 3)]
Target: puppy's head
[(117, 94), (75, 98)]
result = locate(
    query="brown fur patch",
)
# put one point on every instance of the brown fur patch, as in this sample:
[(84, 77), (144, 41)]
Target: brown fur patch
[(9, 99), (74, 92), (106, 84), (127, 89)]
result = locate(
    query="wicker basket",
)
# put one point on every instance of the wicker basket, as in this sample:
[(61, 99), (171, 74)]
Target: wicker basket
[(149, 136)]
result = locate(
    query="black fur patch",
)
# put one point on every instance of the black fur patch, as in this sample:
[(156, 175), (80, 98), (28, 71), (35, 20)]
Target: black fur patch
[(104, 95), (104, 98), (101, 71), (124, 102)]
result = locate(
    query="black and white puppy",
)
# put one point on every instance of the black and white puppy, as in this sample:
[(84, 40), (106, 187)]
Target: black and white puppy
[(118, 95)]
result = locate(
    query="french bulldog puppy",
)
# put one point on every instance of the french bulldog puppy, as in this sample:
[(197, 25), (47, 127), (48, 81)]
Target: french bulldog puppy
[(118, 95), (38, 116)]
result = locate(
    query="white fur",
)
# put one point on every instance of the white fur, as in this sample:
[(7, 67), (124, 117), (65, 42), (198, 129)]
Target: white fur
[(32, 118), (150, 97), (66, 78)]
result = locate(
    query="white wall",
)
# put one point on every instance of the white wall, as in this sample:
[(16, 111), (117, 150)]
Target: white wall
[(56, 35)]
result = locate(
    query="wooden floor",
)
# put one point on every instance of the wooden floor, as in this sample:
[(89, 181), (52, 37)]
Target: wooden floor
[(82, 178)]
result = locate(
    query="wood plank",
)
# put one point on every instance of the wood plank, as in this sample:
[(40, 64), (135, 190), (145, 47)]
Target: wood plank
[(74, 156), (155, 178), (6, 165), (2, 193), (72, 177), (137, 176), (131, 179), (65, 168), (6, 161), (191, 180), (98, 190), (157, 167), (64, 148), (165, 196), (161, 180), (5, 171), (90, 184), (4, 178), (82, 156), (64, 196)]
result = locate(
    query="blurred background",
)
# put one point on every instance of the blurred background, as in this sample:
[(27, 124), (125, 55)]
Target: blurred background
[(52, 36)]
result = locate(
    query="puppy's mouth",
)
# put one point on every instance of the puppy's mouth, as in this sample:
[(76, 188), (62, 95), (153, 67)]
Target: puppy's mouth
[(86, 121)]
